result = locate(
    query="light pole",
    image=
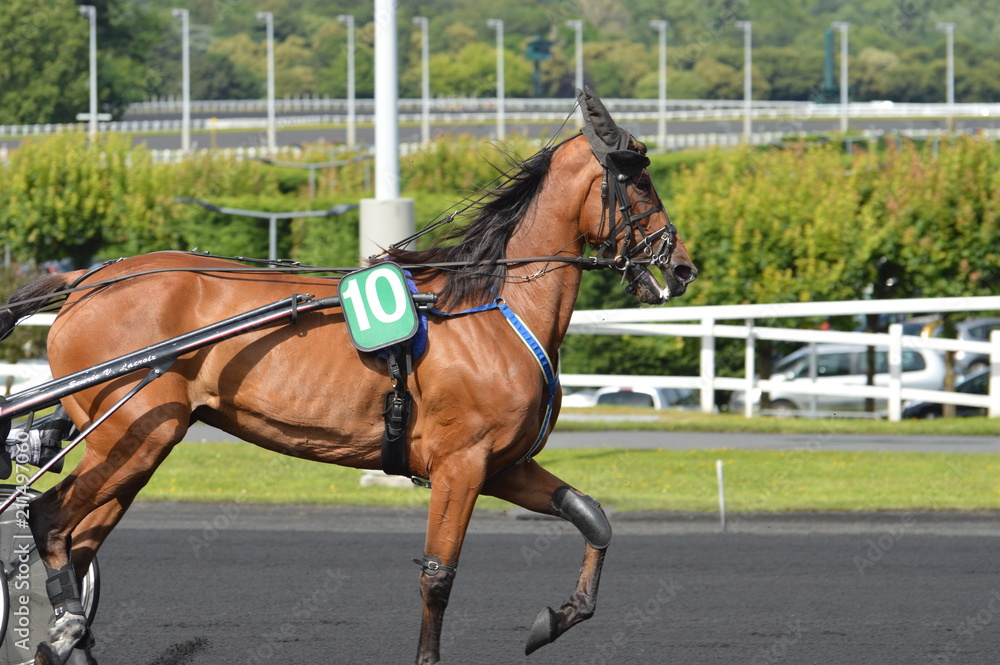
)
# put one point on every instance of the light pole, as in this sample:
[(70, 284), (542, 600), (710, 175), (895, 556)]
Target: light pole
[(386, 218), (501, 112), (90, 11), (268, 18), (183, 15), (425, 80), (348, 21), (661, 125), (272, 217), (843, 27), (747, 28), (577, 25), (949, 29)]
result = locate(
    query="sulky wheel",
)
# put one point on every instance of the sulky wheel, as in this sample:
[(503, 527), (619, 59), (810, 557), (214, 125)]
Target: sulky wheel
[(25, 605)]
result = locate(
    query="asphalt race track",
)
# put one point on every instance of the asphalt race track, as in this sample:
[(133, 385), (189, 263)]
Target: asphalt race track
[(241, 584)]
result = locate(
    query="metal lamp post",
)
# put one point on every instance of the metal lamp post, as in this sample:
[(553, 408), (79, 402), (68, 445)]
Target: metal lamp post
[(747, 28), (843, 27), (90, 11), (661, 124), (268, 18), (183, 15), (577, 25), (386, 218), (425, 80), (272, 217), (949, 29), (501, 113), (348, 21)]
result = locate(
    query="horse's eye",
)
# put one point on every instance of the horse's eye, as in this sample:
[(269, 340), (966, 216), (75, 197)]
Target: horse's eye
[(644, 183)]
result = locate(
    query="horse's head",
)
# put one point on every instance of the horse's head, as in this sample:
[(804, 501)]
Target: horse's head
[(634, 233)]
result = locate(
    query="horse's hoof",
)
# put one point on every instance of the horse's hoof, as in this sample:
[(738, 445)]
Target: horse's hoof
[(543, 631), (46, 655)]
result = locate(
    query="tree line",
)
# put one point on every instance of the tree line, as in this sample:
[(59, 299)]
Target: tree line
[(896, 50), (803, 222)]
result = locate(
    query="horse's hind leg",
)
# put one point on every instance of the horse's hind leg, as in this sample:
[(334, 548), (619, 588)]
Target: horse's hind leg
[(534, 488), (119, 460)]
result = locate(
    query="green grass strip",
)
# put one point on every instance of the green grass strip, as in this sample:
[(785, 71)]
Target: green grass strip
[(757, 481)]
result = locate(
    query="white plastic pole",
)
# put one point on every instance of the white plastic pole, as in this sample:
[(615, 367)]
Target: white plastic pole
[(425, 80), (747, 28), (90, 11), (661, 119), (501, 112), (348, 21), (268, 18), (722, 494), (386, 100), (843, 27), (183, 15)]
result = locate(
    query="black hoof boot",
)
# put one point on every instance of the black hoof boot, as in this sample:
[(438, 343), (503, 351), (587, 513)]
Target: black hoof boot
[(543, 631)]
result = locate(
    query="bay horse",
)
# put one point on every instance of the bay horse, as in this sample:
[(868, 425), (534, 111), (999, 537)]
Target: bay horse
[(479, 401)]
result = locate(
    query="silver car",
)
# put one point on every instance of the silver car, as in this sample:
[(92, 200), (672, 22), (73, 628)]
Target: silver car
[(844, 365)]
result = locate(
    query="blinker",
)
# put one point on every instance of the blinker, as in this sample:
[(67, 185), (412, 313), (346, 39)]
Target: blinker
[(626, 163)]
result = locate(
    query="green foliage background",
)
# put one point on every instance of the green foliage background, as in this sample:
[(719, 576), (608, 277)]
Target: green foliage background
[(803, 222), (896, 50)]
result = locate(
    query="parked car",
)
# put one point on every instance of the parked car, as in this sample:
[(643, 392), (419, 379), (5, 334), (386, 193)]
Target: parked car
[(844, 364), (656, 398), (975, 384), (979, 330), (639, 396)]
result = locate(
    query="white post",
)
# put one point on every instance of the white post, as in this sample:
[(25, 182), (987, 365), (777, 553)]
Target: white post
[(386, 218), (501, 112), (747, 28), (994, 392), (707, 379), (949, 29), (722, 494), (661, 119), (90, 11), (425, 80), (895, 372), (577, 25), (183, 15), (750, 369), (348, 21), (268, 18), (843, 27)]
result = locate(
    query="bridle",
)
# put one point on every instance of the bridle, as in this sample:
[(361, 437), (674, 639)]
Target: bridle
[(636, 246)]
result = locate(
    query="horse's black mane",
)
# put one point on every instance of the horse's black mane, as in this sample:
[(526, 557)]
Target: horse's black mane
[(494, 215)]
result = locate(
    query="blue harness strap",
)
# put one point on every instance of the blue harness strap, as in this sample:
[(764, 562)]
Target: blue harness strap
[(549, 371)]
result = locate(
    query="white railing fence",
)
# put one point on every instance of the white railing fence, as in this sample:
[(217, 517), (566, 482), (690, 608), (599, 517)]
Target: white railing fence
[(676, 321), (671, 321)]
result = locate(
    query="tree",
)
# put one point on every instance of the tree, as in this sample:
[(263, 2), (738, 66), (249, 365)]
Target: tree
[(43, 74)]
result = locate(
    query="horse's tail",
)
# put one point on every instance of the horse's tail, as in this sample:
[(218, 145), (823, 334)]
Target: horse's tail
[(30, 298)]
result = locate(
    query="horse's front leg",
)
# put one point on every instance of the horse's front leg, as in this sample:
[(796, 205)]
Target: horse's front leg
[(534, 488), (455, 488)]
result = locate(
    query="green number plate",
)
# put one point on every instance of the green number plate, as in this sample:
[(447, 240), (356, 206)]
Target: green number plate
[(378, 307)]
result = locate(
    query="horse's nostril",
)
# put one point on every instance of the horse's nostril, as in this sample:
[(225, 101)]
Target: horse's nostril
[(686, 273)]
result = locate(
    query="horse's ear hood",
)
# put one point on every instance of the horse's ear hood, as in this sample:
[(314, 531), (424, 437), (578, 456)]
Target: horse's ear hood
[(599, 127)]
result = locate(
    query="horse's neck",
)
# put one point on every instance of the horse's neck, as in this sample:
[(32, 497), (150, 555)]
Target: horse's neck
[(543, 294)]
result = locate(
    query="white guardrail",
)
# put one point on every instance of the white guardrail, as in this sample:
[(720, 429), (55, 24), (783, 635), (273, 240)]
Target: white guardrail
[(673, 321), (325, 111), (668, 321)]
